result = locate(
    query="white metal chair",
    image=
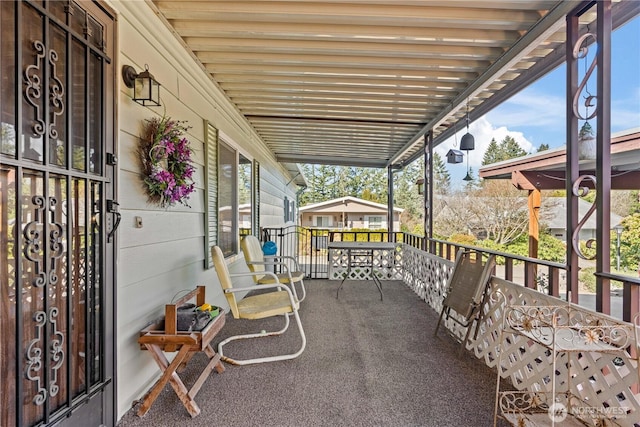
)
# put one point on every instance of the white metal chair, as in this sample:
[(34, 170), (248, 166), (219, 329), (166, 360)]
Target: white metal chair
[(278, 302), (257, 261)]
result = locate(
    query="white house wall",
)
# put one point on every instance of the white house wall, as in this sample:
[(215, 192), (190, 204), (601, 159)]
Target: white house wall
[(271, 198), (166, 255)]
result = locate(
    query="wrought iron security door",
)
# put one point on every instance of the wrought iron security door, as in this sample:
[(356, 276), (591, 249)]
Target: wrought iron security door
[(56, 267)]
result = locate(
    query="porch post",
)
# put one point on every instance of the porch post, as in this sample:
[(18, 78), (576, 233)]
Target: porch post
[(392, 237), (603, 157), (572, 155), (428, 193), (534, 218), (534, 200), (576, 49)]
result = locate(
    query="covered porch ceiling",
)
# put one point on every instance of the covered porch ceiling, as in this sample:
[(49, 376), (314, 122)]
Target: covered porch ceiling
[(360, 83)]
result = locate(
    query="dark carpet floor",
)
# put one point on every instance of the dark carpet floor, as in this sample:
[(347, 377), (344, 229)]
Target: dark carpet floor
[(367, 363)]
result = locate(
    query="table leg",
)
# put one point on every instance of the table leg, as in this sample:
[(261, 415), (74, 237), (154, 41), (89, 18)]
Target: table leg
[(186, 360), (214, 363), (168, 375), (346, 274), (376, 279), (211, 353)]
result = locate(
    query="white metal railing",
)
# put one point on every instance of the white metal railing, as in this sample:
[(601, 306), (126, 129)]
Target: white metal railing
[(606, 381)]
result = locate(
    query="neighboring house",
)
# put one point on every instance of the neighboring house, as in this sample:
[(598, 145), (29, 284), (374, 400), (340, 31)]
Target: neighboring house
[(348, 212), (555, 213)]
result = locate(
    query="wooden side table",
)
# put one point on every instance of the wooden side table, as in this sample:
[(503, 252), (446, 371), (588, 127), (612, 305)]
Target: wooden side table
[(163, 336)]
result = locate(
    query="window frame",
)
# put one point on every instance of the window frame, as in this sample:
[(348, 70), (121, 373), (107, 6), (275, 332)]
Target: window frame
[(213, 139), (314, 221), (368, 222), (228, 159), (228, 145)]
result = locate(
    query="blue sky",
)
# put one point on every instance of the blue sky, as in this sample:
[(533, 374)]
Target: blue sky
[(536, 115)]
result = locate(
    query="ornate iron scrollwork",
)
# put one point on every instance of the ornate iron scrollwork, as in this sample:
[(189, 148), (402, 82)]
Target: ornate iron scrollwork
[(33, 240), (581, 191), (34, 355), (33, 89), (580, 52), (56, 92), (32, 233), (57, 351), (55, 242), (34, 358)]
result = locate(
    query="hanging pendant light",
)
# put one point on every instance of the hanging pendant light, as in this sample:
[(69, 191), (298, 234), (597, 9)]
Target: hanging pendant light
[(467, 142), (468, 177)]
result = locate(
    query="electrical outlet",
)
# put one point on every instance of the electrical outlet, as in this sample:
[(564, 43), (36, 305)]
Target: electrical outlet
[(138, 222)]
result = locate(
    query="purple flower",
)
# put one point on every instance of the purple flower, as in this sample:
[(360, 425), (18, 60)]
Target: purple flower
[(169, 147)]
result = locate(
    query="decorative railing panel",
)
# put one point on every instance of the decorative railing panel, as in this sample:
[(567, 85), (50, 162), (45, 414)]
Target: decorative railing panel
[(386, 263), (604, 380)]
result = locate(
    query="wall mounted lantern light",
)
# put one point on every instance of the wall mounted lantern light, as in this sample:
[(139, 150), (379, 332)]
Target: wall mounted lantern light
[(146, 90)]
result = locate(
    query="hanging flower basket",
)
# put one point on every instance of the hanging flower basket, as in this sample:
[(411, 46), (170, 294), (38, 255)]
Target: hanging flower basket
[(166, 162)]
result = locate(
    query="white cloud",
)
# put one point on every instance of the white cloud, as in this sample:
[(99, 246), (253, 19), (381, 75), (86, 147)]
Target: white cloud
[(531, 108), (483, 131)]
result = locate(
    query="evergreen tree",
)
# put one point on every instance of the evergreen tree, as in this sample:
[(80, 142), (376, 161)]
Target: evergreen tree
[(493, 153), (344, 177), (441, 177), (507, 149), (543, 147), (510, 148), (329, 182), (406, 194), (321, 180), (373, 185)]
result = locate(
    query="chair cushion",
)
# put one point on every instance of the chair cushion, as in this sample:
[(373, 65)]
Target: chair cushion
[(265, 305), (296, 276)]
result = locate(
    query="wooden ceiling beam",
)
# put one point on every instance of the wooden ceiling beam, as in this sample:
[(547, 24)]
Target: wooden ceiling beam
[(556, 180)]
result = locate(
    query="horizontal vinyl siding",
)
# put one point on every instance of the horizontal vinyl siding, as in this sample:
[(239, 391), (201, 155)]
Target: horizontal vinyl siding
[(273, 191), (168, 253)]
